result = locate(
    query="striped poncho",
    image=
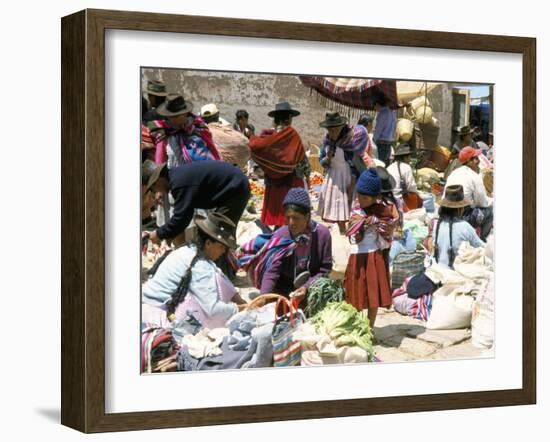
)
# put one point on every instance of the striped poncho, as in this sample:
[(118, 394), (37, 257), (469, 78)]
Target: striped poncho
[(257, 255)]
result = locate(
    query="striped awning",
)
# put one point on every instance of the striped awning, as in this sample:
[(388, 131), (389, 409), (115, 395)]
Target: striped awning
[(352, 93)]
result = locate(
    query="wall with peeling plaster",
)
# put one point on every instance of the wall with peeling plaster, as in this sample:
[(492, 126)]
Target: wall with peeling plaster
[(258, 94)]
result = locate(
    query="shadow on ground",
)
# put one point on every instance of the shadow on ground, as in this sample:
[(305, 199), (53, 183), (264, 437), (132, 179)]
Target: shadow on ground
[(392, 335)]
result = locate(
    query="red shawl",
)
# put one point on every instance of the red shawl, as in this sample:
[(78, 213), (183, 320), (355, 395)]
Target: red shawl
[(277, 153), (382, 214)]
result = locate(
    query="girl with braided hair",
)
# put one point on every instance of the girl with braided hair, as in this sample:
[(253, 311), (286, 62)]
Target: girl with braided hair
[(188, 286), (451, 230)]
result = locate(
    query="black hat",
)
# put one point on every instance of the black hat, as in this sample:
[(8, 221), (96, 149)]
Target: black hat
[(283, 107), (333, 119), (365, 119), (386, 179), (420, 285), (174, 105), (155, 87), (402, 149), (218, 227)]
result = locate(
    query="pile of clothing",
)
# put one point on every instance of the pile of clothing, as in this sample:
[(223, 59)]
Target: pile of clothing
[(244, 343)]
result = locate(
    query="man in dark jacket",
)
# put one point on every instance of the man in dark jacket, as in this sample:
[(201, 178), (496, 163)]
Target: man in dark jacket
[(199, 185)]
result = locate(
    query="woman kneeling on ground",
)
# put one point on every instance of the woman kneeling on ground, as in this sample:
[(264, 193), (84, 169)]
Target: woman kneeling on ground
[(312, 253), (451, 230), (188, 291)]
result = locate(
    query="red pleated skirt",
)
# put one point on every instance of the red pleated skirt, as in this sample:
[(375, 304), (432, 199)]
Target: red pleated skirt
[(273, 213), (367, 280)]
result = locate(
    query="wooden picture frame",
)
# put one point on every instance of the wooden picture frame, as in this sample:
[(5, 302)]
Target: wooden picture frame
[(83, 215)]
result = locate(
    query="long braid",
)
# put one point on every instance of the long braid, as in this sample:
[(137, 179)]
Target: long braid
[(451, 250), (179, 295), (436, 246), (450, 216)]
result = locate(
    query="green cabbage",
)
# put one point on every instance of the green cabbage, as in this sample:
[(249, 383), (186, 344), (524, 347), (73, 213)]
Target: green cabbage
[(345, 325)]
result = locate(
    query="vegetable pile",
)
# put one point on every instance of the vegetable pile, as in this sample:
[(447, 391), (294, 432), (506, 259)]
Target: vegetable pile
[(315, 179), (256, 189), (345, 326), (321, 292)]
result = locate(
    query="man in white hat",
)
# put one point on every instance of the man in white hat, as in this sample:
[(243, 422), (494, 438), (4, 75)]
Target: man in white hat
[(211, 114)]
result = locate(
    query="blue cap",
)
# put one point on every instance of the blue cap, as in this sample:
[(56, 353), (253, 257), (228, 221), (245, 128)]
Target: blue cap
[(299, 197), (369, 183)]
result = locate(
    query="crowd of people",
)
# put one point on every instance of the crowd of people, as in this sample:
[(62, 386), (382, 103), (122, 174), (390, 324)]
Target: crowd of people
[(368, 186)]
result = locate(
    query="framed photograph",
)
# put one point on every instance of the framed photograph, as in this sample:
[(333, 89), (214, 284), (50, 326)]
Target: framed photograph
[(451, 96)]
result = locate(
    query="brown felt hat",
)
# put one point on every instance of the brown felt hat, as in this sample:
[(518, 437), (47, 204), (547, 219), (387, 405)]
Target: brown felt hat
[(150, 173), (333, 119), (465, 130), (218, 227), (454, 197), (155, 87)]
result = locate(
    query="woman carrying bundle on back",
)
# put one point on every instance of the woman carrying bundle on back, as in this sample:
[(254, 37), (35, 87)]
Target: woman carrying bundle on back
[(280, 153), (342, 145), (367, 278)]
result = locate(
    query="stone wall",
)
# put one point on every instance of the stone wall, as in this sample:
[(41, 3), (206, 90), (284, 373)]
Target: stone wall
[(258, 94), (441, 101)]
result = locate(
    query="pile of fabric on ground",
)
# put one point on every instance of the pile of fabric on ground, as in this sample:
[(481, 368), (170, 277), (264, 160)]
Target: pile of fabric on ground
[(245, 342), (268, 336)]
